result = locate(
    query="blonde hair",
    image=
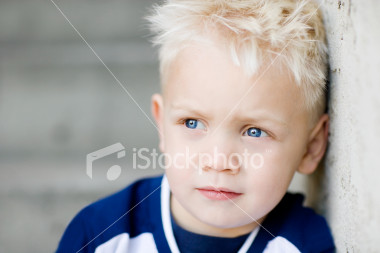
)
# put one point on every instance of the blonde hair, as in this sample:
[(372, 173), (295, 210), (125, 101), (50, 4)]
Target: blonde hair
[(289, 31)]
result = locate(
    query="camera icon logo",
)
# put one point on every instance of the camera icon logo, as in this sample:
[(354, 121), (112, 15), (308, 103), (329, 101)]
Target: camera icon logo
[(114, 171)]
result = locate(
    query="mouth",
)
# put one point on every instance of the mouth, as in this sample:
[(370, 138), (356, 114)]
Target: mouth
[(215, 193)]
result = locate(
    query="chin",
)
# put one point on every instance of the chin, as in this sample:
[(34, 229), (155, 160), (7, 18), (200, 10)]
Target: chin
[(225, 221)]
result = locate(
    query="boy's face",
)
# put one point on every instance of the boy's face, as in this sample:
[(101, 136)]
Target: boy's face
[(211, 109)]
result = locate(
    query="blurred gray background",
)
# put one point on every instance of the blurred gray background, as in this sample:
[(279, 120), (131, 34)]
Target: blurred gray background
[(58, 103)]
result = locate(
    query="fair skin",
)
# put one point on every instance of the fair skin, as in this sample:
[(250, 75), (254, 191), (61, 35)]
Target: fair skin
[(194, 113)]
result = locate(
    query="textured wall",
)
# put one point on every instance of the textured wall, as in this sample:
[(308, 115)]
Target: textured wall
[(351, 179)]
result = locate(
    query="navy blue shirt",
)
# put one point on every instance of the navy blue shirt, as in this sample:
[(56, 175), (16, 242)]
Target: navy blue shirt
[(137, 219)]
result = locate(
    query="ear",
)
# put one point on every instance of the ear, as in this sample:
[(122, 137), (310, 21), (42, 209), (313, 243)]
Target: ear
[(316, 146), (157, 107)]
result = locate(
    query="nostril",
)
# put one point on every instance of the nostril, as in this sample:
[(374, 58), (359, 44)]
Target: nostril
[(205, 159)]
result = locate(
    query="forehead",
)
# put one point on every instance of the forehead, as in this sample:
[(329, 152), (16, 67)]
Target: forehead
[(204, 78)]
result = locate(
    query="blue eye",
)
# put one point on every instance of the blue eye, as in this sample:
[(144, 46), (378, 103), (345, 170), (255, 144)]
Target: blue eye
[(256, 132), (193, 124)]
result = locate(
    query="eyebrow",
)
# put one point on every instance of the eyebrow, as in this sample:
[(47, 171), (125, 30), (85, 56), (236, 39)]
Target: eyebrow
[(258, 117), (263, 115), (185, 107)]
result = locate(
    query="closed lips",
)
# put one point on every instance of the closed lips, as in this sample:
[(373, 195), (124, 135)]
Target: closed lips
[(218, 193)]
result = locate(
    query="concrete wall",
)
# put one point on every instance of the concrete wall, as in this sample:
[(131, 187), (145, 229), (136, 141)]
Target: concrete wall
[(351, 187), (58, 103)]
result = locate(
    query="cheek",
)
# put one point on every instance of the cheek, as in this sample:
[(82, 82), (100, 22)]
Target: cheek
[(181, 151), (284, 156), (276, 170), (179, 167)]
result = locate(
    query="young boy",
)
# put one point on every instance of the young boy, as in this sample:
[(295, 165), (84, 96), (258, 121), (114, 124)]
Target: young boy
[(243, 95)]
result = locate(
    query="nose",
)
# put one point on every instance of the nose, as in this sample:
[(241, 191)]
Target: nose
[(220, 155)]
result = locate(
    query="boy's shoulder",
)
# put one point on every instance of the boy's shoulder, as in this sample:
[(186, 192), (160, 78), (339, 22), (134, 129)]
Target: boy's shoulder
[(123, 212), (129, 200), (292, 223), (127, 197)]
